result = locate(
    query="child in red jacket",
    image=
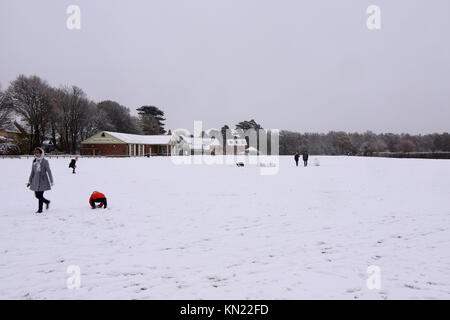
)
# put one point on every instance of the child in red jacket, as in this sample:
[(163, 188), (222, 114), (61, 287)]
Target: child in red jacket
[(97, 197)]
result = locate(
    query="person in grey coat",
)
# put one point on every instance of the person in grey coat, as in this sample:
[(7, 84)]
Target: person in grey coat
[(41, 178)]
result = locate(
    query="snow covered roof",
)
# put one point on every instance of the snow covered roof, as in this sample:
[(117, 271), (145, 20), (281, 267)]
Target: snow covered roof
[(10, 127), (17, 125), (109, 137), (204, 141), (142, 139), (213, 141)]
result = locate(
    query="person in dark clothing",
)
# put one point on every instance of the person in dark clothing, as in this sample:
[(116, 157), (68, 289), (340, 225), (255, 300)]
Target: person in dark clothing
[(41, 178), (296, 157), (72, 164), (305, 158), (98, 197)]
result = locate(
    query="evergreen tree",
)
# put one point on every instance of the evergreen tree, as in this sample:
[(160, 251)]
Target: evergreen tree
[(152, 120)]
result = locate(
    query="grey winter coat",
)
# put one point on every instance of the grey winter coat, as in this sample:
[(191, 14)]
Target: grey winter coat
[(39, 181)]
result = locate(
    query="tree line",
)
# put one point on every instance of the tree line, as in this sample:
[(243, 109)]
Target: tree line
[(366, 144), (343, 143), (65, 116)]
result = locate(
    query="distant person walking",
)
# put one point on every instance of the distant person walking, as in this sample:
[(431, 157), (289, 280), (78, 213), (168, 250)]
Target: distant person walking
[(296, 157), (305, 158), (97, 197), (73, 164), (40, 178)]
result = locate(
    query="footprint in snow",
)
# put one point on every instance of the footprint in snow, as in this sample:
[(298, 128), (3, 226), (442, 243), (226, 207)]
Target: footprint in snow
[(353, 290), (410, 286)]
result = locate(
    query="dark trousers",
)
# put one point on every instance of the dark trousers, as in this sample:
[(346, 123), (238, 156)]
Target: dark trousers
[(305, 163), (296, 162), (99, 200), (40, 196)]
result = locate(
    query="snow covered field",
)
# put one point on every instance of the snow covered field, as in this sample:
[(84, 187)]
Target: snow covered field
[(222, 232)]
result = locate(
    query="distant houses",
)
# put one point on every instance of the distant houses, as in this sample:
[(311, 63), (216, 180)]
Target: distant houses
[(13, 138), (107, 143), (188, 145), (13, 130), (116, 144)]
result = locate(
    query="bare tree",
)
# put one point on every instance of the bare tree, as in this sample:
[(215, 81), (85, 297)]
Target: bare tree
[(30, 98), (378, 145), (5, 110), (94, 120), (73, 115), (407, 145), (55, 114), (342, 142)]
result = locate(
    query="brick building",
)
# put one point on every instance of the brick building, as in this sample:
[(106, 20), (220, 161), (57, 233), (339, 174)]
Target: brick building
[(108, 143)]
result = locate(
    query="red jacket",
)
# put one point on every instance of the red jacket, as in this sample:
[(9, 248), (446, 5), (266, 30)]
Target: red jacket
[(96, 195)]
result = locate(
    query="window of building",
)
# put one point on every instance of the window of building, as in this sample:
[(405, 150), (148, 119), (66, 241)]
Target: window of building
[(162, 149)]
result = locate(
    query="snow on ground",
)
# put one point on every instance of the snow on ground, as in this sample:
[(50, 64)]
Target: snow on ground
[(223, 232)]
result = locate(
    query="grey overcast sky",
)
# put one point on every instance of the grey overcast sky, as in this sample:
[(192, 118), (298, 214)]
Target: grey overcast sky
[(289, 64)]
